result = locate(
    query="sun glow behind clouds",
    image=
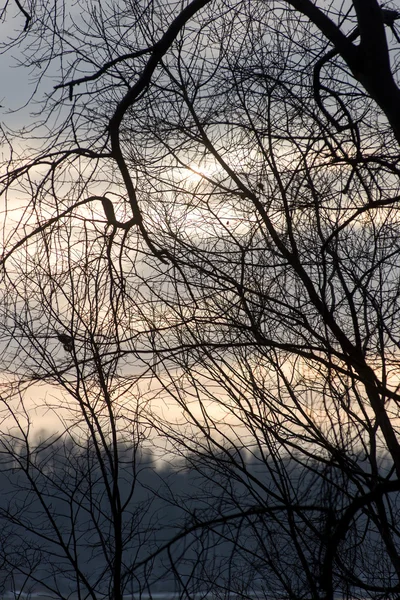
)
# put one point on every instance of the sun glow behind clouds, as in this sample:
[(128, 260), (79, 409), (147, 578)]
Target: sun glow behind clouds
[(196, 173)]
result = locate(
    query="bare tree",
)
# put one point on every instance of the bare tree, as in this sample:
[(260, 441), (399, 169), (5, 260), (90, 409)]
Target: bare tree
[(229, 173), (74, 515)]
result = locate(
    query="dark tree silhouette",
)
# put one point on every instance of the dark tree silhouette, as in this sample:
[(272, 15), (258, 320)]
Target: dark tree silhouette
[(247, 297)]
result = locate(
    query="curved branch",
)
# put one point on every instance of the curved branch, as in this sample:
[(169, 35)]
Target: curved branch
[(317, 82), (206, 525), (104, 68), (159, 50), (358, 212), (343, 525), (369, 62), (53, 220), (27, 16)]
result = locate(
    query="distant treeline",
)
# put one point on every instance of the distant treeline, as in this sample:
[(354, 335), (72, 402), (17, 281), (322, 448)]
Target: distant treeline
[(194, 525)]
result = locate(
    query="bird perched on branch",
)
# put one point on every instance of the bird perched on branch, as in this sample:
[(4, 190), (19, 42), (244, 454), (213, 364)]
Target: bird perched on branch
[(109, 210), (67, 341)]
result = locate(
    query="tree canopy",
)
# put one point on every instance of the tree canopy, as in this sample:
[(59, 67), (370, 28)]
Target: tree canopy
[(201, 250)]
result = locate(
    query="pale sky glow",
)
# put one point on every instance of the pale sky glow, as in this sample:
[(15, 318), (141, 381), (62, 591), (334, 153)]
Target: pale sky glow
[(196, 173)]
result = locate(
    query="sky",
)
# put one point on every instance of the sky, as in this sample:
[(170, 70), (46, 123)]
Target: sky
[(17, 85), (15, 88)]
